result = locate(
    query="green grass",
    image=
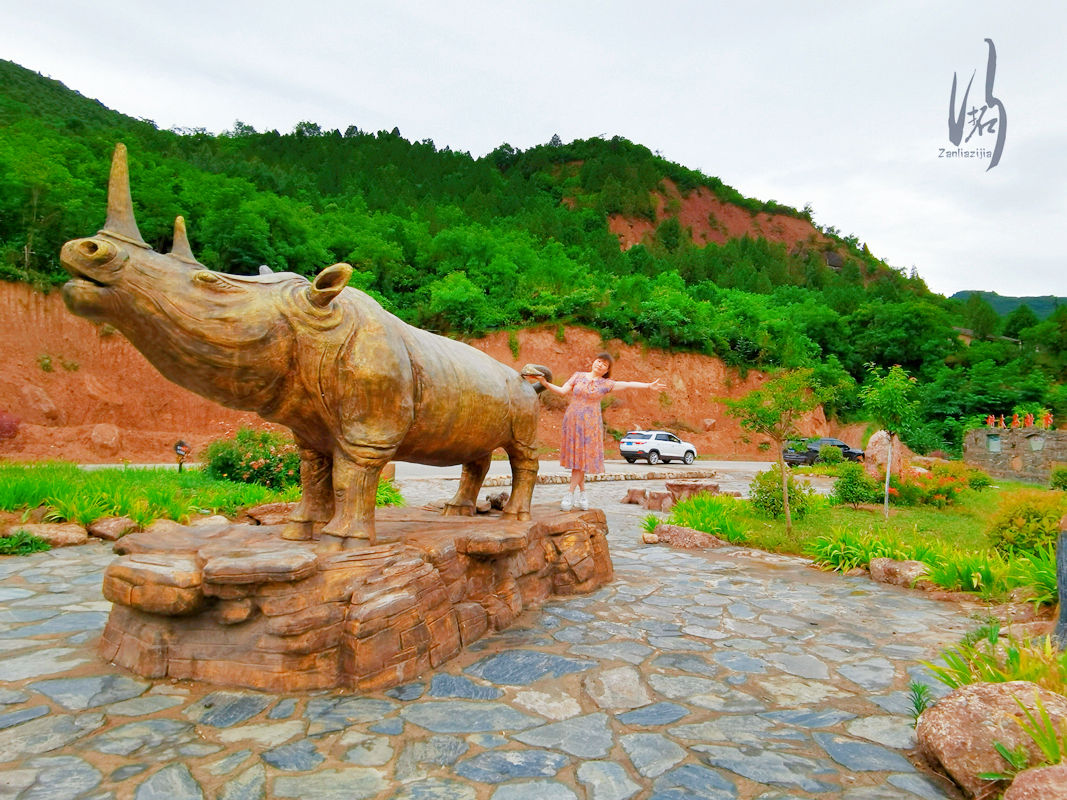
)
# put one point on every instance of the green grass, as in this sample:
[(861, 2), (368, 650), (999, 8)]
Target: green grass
[(952, 541), (82, 496), (71, 494)]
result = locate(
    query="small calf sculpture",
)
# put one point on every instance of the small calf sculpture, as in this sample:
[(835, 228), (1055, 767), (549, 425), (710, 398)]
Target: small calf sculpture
[(357, 386)]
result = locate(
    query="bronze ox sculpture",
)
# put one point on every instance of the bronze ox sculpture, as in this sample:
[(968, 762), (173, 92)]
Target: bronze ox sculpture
[(357, 386)]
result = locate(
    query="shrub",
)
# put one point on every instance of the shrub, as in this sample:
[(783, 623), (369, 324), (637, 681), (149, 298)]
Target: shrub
[(765, 494), (984, 572), (714, 514), (854, 486), (1058, 478), (978, 480), (22, 543), (915, 488), (251, 456), (1027, 520), (828, 454)]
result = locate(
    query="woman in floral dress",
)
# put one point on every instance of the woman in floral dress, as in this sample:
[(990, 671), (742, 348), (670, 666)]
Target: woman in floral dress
[(582, 448)]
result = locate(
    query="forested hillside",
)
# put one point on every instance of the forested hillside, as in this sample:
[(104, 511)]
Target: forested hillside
[(521, 238)]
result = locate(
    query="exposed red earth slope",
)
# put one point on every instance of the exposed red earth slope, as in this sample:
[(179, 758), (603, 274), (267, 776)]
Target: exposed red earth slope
[(710, 219), (102, 402)]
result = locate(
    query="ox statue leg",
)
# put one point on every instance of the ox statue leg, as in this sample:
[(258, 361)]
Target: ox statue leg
[(465, 503), (524, 466), (316, 496), (355, 487)]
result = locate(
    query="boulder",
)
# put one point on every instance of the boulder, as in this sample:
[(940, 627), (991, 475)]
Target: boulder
[(106, 438), (659, 501), (648, 537), (689, 538), (1041, 783), (9, 425), (635, 496), (898, 573), (958, 733), (37, 400), (57, 534), (877, 451), (685, 488), (112, 528)]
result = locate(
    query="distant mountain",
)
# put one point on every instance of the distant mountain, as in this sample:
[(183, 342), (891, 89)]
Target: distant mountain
[(1041, 306)]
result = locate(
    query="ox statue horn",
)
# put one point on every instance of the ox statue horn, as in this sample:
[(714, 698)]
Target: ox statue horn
[(120, 222)]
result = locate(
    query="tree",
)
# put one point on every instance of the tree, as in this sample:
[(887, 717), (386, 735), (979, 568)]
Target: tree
[(774, 410), (888, 399), (980, 316), (1019, 319)]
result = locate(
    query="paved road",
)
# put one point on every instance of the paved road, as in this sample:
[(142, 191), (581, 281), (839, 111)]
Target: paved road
[(727, 675)]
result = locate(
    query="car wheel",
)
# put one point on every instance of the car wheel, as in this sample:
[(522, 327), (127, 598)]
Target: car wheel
[(630, 460), (653, 457), (689, 457)]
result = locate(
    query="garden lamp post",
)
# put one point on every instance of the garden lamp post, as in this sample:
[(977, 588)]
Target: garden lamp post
[(181, 450)]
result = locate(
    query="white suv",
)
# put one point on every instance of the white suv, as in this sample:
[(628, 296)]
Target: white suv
[(656, 446)]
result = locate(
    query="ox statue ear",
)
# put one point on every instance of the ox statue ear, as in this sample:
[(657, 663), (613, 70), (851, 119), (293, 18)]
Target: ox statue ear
[(328, 284)]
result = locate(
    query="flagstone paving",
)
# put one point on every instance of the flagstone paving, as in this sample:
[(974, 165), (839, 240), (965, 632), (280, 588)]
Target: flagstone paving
[(721, 675)]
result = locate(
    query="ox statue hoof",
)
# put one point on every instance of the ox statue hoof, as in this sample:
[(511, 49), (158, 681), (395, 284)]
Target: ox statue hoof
[(459, 510), (298, 531)]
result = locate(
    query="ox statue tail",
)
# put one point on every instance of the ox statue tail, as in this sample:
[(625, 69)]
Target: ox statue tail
[(533, 370)]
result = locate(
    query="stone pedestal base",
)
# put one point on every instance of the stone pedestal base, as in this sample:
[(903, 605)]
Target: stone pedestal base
[(237, 605)]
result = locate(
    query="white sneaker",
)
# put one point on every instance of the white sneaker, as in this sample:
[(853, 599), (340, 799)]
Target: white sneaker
[(567, 503), (583, 501)]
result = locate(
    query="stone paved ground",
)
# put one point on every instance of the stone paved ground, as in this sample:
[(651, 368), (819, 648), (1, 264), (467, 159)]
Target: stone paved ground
[(720, 676)]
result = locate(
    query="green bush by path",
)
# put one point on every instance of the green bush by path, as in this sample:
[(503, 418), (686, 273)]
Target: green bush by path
[(854, 486), (1027, 520), (1058, 478), (22, 543), (766, 494)]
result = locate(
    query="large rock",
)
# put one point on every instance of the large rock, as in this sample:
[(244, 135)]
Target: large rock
[(684, 488), (1042, 783), (106, 438), (38, 401), (57, 534), (689, 538), (960, 730), (271, 513), (898, 573), (112, 528), (877, 452)]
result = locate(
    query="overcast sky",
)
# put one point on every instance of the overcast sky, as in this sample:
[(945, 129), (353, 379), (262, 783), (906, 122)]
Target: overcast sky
[(844, 105)]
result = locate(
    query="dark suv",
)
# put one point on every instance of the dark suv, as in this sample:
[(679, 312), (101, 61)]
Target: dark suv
[(809, 453)]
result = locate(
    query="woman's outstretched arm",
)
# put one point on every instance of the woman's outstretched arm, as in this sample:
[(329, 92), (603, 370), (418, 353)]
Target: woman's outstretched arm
[(656, 384), (564, 390)]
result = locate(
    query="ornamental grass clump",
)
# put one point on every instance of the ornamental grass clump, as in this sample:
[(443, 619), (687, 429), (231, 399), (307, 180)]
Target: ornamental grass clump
[(718, 515)]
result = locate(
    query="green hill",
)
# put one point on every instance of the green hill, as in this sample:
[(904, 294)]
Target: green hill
[(1041, 306), (464, 245)]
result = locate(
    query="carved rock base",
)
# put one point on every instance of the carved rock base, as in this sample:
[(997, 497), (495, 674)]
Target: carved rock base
[(237, 605)]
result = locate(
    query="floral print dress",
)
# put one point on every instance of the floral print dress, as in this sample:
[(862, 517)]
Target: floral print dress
[(582, 446)]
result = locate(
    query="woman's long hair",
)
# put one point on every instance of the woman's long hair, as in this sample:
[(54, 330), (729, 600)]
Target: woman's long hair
[(611, 362)]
